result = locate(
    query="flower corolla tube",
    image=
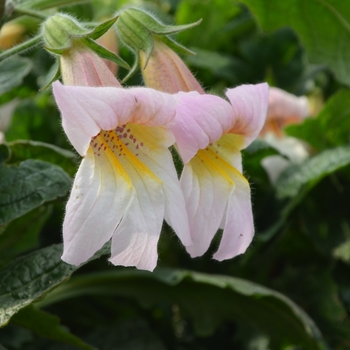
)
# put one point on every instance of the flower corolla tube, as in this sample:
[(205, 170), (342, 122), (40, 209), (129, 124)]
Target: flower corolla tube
[(210, 134), (217, 194), (127, 183)]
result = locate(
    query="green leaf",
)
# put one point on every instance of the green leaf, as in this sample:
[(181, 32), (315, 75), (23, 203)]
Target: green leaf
[(25, 149), (220, 64), (15, 338), (46, 4), (12, 72), (2, 8), (22, 234), (36, 119), (206, 299), (53, 75), (130, 334), (27, 278), (104, 53), (330, 128), (156, 27), (47, 325), (28, 186), (322, 25), (4, 153), (311, 171), (210, 33), (175, 46), (342, 252), (102, 28), (252, 157)]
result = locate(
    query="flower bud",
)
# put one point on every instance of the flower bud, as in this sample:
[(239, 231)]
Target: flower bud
[(63, 33), (139, 30), (80, 62), (166, 71), (60, 30), (109, 40), (284, 108), (83, 67), (11, 34)]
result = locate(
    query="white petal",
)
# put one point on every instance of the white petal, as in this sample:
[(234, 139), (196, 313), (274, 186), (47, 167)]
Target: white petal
[(155, 155), (135, 240), (133, 244), (206, 189), (100, 194), (239, 227)]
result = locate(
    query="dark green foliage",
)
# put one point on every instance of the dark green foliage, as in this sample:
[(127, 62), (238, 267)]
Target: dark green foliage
[(12, 72), (290, 290), (29, 185)]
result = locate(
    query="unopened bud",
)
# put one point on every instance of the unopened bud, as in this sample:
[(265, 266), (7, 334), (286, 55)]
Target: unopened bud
[(60, 30), (139, 29), (81, 66), (10, 34), (167, 72)]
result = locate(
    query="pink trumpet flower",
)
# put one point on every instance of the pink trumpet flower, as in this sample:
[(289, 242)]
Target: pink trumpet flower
[(284, 108), (210, 142), (127, 183), (210, 134)]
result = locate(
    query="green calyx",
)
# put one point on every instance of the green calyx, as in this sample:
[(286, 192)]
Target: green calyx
[(61, 32), (137, 29)]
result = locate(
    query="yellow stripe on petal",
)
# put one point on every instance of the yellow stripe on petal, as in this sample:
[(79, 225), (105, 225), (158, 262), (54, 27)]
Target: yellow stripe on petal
[(118, 152), (150, 146), (207, 187), (99, 146), (214, 158), (211, 163), (229, 147), (154, 136), (209, 183)]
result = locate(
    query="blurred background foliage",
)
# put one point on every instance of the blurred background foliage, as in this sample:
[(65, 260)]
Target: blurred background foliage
[(290, 290)]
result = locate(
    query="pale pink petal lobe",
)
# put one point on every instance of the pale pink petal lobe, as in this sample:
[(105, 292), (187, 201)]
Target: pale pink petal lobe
[(239, 226), (87, 110), (200, 120), (283, 105), (249, 103)]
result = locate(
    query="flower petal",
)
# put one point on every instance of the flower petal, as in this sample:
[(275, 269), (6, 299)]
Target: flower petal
[(132, 243), (206, 187), (87, 110), (200, 120), (239, 227), (135, 241), (155, 155), (249, 103), (100, 194), (283, 105), (228, 147)]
